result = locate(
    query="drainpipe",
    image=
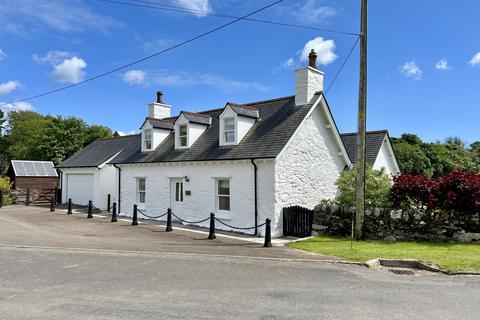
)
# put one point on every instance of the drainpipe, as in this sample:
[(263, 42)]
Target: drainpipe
[(255, 168), (119, 186)]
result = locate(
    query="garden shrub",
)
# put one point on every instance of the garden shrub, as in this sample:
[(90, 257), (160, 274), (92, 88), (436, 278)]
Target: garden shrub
[(5, 185), (414, 190), (378, 184), (460, 191)]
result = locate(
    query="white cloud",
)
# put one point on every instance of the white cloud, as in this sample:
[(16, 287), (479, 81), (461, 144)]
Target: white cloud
[(442, 64), (9, 86), (67, 68), (410, 70), (63, 16), (16, 106), (312, 12), (184, 79), (135, 77), (195, 5), (323, 48), (475, 61), (3, 55)]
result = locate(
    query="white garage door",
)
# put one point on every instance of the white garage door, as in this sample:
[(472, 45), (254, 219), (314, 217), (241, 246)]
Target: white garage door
[(80, 188)]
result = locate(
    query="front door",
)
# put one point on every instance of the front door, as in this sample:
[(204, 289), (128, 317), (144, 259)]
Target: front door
[(176, 196)]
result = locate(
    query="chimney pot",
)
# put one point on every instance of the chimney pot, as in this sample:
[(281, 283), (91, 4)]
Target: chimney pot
[(312, 59), (159, 97)]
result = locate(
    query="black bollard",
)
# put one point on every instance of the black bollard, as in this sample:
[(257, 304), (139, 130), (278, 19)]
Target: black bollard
[(134, 218), (90, 208), (108, 203), (52, 204), (169, 220), (211, 234), (114, 212), (268, 234), (69, 211), (1, 198)]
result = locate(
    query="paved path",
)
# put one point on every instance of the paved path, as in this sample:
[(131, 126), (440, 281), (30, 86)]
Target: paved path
[(168, 281)]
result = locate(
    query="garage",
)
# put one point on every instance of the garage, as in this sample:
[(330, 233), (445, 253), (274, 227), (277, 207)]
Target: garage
[(80, 188)]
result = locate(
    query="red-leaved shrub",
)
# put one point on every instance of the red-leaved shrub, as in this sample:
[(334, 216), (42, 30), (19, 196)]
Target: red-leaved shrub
[(460, 191), (419, 189)]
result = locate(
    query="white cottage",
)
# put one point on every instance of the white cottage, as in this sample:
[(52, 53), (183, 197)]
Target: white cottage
[(244, 162)]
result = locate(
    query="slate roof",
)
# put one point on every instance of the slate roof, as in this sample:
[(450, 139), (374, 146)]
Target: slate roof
[(373, 143), (161, 124), (244, 110), (279, 118), (197, 117), (100, 151)]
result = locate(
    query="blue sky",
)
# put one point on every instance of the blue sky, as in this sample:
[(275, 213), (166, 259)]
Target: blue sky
[(423, 67)]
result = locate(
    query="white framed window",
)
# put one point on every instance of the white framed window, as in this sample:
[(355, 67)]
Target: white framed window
[(182, 135), (179, 191), (141, 190), (229, 130), (147, 139), (223, 194)]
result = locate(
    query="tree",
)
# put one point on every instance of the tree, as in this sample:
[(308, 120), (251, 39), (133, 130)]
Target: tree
[(2, 121), (412, 159), (378, 184), (95, 132), (445, 158)]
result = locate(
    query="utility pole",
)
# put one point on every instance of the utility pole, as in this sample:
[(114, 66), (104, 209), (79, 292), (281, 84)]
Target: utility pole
[(362, 124)]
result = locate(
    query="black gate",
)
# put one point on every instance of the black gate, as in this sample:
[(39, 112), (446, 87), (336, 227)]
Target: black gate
[(297, 221)]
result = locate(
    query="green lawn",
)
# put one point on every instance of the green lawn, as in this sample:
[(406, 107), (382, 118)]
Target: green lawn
[(453, 256)]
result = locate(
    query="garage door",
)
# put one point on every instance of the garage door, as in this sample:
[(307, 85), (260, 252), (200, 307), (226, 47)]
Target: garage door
[(80, 188)]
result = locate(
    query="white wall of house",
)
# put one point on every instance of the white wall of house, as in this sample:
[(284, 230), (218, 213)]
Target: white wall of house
[(308, 166), (386, 159), (202, 185), (104, 183)]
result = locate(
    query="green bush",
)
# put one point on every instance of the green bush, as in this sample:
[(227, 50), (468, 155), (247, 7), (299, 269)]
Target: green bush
[(5, 185), (378, 185)]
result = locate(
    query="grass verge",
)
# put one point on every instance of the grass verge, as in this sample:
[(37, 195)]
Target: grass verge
[(453, 256)]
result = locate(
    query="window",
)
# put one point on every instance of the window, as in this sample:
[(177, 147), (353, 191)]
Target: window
[(147, 139), (141, 190), (179, 191), (223, 194), (229, 130), (182, 136)]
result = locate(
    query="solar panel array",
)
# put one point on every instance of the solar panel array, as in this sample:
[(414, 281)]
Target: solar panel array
[(34, 168)]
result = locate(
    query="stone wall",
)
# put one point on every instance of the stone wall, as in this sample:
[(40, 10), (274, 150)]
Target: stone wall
[(392, 225)]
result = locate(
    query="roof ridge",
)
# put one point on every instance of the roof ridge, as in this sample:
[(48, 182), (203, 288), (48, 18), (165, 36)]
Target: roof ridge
[(119, 137), (368, 132)]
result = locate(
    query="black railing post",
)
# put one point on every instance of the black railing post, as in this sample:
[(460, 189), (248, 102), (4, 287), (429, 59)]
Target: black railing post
[(90, 208), (69, 210), (134, 217), (169, 220), (27, 199), (114, 212), (1, 198), (52, 204), (268, 234), (211, 234), (108, 203)]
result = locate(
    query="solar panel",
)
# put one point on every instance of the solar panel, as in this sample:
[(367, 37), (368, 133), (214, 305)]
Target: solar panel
[(34, 168)]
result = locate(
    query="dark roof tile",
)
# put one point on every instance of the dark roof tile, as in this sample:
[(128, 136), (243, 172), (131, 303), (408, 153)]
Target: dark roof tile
[(373, 143)]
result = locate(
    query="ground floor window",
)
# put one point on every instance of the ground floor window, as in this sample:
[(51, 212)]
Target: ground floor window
[(179, 191), (223, 194), (141, 190)]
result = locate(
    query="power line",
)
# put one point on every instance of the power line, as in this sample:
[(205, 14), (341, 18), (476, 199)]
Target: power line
[(343, 65), (150, 56), (166, 7)]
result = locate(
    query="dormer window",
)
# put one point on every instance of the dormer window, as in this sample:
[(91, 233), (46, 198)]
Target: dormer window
[(147, 139), (182, 135), (229, 130)]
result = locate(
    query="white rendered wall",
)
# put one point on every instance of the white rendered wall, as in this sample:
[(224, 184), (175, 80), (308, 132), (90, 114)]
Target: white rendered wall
[(385, 160), (307, 169), (159, 110), (242, 126), (195, 130), (202, 177), (307, 81)]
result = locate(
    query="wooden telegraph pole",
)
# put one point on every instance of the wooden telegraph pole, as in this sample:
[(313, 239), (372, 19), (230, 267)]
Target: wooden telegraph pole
[(362, 124)]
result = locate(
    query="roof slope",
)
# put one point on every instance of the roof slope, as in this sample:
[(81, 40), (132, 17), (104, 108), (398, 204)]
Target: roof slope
[(100, 151), (373, 143), (279, 118)]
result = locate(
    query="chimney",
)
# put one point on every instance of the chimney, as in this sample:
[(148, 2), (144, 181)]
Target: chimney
[(159, 109), (308, 80)]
